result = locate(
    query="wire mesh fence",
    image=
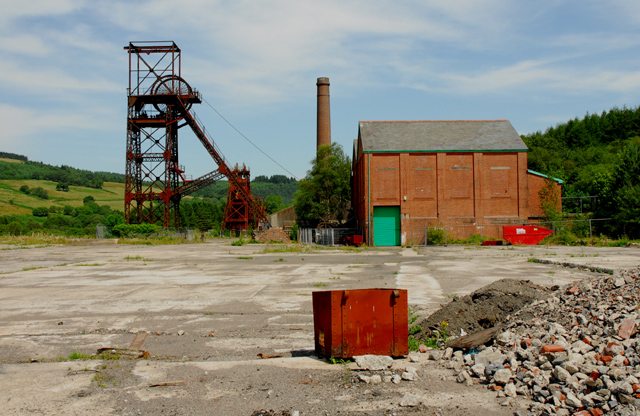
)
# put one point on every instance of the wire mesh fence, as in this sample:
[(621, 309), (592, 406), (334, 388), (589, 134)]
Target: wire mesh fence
[(437, 233), (324, 236)]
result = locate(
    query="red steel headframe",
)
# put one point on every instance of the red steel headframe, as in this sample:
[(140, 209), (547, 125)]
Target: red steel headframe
[(159, 103)]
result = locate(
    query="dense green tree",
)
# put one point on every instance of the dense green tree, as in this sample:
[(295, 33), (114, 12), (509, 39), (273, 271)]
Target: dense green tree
[(40, 212), (273, 203), (323, 196), (596, 156), (39, 192), (625, 190), (201, 213), (8, 155), (262, 187), (278, 179)]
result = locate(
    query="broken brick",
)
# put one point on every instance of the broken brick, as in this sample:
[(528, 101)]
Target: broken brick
[(606, 358), (552, 348), (573, 290), (627, 328)]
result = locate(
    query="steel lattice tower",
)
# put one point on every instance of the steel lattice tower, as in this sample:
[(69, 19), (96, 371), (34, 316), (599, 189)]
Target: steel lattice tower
[(159, 103), (237, 213)]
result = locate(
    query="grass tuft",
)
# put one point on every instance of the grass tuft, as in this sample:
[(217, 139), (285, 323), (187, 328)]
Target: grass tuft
[(135, 258), (79, 356), (290, 248)]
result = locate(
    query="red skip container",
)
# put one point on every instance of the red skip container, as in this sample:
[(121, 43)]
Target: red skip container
[(361, 321), (525, 234)]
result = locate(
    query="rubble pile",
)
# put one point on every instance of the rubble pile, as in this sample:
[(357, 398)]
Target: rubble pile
[(273, 235), (376, 369), (575, 353)]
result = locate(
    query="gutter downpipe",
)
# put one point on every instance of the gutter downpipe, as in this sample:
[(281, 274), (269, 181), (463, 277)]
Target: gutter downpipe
[(369, 239)]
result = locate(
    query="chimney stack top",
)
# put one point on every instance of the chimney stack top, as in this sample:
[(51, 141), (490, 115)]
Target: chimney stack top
[(323, 137)]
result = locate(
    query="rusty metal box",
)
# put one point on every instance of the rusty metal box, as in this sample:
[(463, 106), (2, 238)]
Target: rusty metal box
[(361, 321)]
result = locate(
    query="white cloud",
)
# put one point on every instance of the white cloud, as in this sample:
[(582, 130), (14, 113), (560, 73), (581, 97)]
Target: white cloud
[(12, 10), (263, 52), (21, 122), (619, 11), (594, 43), (543, 76), (67, 65), (81, 37), (51, 81), (24, 44), (22, 125)]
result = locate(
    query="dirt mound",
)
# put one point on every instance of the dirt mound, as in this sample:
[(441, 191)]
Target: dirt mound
[(273, 235), (484, 308)]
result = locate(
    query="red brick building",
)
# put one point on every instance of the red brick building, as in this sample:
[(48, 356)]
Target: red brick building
[(467, 177)]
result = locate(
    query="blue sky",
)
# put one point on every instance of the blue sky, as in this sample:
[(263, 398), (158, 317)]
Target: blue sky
[(63, 70)]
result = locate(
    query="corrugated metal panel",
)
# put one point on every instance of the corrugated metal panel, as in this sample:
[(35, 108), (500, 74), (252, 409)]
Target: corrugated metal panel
[(386, 226)]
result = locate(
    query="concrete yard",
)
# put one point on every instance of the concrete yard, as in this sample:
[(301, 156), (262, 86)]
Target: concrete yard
[(209, 309)]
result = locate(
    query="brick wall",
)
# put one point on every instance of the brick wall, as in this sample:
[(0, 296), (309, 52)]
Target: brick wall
[(465, 193), (536, 184)]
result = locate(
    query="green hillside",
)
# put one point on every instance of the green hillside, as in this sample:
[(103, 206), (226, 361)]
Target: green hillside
[(598, 157), (14, 166), (263, 187), (15, 202), (37, 197), (16, 169)]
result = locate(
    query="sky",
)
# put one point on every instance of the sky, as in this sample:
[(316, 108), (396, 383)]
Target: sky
[(64, 72)]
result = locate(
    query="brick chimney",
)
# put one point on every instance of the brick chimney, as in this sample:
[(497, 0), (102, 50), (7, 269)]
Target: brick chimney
[(324, 113)]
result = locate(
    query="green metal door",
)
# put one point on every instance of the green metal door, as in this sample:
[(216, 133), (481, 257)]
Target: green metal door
[(386, 226)]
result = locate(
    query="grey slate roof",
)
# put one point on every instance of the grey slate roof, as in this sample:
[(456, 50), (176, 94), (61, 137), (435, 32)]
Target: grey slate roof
[(439, 136)]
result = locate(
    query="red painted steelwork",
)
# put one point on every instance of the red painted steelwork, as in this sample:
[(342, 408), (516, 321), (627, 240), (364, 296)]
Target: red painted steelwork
[(241, 213), (525, 234), (159, 103), (362, 321)]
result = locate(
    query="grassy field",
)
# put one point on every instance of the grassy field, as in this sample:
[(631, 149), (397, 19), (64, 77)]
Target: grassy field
[(4, 159), (12, 201)]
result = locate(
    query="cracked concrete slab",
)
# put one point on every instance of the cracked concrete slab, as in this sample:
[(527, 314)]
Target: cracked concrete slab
[(210, 308)]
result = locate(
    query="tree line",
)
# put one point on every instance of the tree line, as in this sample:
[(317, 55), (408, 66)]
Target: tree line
[(65, 175), (598, 156), (14, 156)]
